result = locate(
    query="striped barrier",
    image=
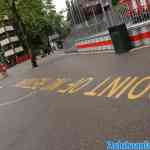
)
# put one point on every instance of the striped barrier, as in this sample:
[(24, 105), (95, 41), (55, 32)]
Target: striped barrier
[(139, 35), (135, 37), (99, 43), (145, 34)]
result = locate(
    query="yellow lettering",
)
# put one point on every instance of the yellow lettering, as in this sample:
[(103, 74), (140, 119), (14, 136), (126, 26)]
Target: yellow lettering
[(40, 83), (28, 83), (75, 87), (21, 83), (128, 85), (44, 82), (55, 84), (80, 85), (132, 95), (114, 87), (94, 91)]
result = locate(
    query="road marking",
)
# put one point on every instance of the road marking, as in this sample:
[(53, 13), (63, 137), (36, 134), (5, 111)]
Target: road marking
[(20, 99), (132, 95), (93, 92), (75, 87), (123, 90), (114, 86), (55, 84), (111, 87), (1, 87)]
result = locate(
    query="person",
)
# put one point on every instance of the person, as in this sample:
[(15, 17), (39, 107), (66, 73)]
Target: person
[(51, 50), (34, 60)]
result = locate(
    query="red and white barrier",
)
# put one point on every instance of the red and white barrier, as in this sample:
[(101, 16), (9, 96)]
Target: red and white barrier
[(99, 43), (139, 35), (145, 34), (135, 37)]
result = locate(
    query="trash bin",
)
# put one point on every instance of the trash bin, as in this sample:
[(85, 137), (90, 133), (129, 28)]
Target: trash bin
[(120, 38)]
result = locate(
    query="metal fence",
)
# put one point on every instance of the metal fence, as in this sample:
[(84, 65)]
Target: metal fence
[(114, 16), (134, 16)]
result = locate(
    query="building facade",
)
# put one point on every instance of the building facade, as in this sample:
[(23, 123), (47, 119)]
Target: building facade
[(82, 10)]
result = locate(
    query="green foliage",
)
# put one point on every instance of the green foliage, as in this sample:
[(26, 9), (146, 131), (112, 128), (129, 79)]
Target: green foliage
[(38, 18), (114, 2)]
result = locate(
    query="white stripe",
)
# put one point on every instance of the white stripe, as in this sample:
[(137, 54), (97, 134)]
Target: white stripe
[(20, 99)]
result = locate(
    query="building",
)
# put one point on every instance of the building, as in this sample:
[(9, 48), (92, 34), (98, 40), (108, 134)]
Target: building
[(82, 10), (90, 8), (135, 4), (10, 45)]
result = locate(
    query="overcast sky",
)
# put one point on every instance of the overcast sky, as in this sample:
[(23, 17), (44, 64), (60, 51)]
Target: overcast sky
[(60, 4)]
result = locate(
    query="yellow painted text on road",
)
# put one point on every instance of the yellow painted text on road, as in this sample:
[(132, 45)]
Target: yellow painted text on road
[(72, 88), (133, 87)]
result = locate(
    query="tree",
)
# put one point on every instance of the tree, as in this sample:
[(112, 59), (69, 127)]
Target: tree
[(34, 19), (114, 2)]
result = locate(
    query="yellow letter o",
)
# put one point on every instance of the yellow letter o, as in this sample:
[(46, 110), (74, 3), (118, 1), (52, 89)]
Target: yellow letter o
[(132, 95)]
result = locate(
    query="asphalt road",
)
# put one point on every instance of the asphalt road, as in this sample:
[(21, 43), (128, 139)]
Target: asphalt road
[(36, 119)]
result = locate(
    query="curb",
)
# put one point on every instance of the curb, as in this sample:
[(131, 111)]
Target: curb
[(90, 52), (139, 48)]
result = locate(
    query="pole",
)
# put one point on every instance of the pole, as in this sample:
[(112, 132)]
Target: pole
[(103, 10), (75, 12), (77, 4), (70, 12)]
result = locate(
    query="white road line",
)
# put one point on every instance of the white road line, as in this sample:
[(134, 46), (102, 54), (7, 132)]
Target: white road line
[(20, 99), (1, 87)]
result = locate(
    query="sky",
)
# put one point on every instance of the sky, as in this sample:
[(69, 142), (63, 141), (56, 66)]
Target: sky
[(60, 4)]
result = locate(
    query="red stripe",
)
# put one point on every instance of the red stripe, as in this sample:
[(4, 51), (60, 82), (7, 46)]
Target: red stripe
[(145, 35), (139, 36), (90, 45), (135, 38)]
